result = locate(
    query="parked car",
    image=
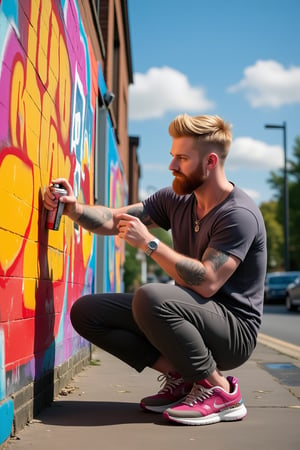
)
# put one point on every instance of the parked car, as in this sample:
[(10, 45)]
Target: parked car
[(292, 299), (276, 284)]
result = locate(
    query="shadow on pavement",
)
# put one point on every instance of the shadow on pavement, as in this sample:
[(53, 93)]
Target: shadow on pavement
[(91, 414)]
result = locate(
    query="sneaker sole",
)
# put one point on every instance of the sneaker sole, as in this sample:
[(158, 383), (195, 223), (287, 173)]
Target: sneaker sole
[(227, 415), (161, 408)]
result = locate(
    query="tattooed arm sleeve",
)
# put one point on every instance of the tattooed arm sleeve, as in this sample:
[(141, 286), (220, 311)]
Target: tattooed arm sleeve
[(103, 220)]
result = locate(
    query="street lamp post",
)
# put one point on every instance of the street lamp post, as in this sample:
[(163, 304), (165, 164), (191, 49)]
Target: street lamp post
[(285, 196)]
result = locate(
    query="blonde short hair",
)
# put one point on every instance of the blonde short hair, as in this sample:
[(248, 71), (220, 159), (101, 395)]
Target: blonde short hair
[(209, 129)]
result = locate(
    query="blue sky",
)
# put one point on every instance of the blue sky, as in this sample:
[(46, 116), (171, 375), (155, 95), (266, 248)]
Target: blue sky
[(237, 59)]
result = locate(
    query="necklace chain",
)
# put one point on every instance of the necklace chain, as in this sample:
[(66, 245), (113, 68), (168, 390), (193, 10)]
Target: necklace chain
[(195, 218)]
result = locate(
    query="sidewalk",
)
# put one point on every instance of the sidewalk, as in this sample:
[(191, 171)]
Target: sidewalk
[(101, 411)]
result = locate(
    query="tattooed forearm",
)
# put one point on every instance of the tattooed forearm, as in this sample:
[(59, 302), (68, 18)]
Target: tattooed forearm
[(191, 272), (215, 257), (139, 211), (93, 218)]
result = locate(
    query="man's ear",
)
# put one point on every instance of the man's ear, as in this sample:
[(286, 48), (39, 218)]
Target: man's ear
[(212, 160)]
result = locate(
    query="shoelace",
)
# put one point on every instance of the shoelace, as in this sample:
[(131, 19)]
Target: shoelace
[(168, 383), (197, 394)]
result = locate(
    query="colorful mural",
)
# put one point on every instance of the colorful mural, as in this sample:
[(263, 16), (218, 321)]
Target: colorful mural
[(48, 79), (117, 193)]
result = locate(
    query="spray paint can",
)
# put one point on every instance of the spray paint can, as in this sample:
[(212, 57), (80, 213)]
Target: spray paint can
[(54, 216)]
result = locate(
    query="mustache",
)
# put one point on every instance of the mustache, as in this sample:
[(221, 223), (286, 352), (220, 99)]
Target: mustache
[(177, 174)]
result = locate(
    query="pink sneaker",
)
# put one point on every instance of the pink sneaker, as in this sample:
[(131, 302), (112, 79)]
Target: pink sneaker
[(208, 404), (173, 392)]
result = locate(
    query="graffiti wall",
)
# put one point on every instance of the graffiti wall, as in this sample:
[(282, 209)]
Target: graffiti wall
[(117, 196), (48, 82)]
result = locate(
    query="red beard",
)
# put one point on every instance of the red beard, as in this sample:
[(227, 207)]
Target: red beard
[(183, 185)]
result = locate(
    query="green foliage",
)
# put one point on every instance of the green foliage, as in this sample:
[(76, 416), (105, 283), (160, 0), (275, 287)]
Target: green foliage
[(294, 209), (166, 238), (132, 269), (274, 236), (162, 235), (273, 213)]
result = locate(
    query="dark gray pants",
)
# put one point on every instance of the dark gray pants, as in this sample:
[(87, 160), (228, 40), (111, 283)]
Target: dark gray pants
[(195, 334)]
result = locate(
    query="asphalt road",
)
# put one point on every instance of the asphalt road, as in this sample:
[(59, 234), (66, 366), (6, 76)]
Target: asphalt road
[(282, 324)]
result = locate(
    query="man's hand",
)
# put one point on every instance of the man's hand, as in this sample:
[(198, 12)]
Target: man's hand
[(133, 231), (69, 200)]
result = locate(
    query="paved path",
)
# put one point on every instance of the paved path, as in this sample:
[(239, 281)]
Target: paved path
[(101, 411)]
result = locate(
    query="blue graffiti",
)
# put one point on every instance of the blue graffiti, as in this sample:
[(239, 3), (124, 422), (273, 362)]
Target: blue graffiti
[(6, 407), (6, 419), (10, 10)]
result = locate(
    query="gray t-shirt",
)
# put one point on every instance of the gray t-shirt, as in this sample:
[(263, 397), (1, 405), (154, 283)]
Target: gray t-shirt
[(234, 226)]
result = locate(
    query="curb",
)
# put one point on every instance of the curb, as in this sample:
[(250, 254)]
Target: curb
[(281, 346)]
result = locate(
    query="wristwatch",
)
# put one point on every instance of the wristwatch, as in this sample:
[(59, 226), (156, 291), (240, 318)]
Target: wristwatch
[(152, 246)]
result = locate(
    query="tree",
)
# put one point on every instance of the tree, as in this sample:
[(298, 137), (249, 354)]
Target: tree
[(276, 181), (274, 236), (294, 207)]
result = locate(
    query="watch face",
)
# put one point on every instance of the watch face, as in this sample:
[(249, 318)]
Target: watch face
[(152, 245)]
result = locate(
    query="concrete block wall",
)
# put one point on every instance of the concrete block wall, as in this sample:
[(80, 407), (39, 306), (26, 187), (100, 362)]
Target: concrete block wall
[(49, 88)]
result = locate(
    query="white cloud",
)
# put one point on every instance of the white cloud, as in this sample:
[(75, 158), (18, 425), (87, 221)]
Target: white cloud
[(163, 89), (268, 83), (252, 154), (255, 195)]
